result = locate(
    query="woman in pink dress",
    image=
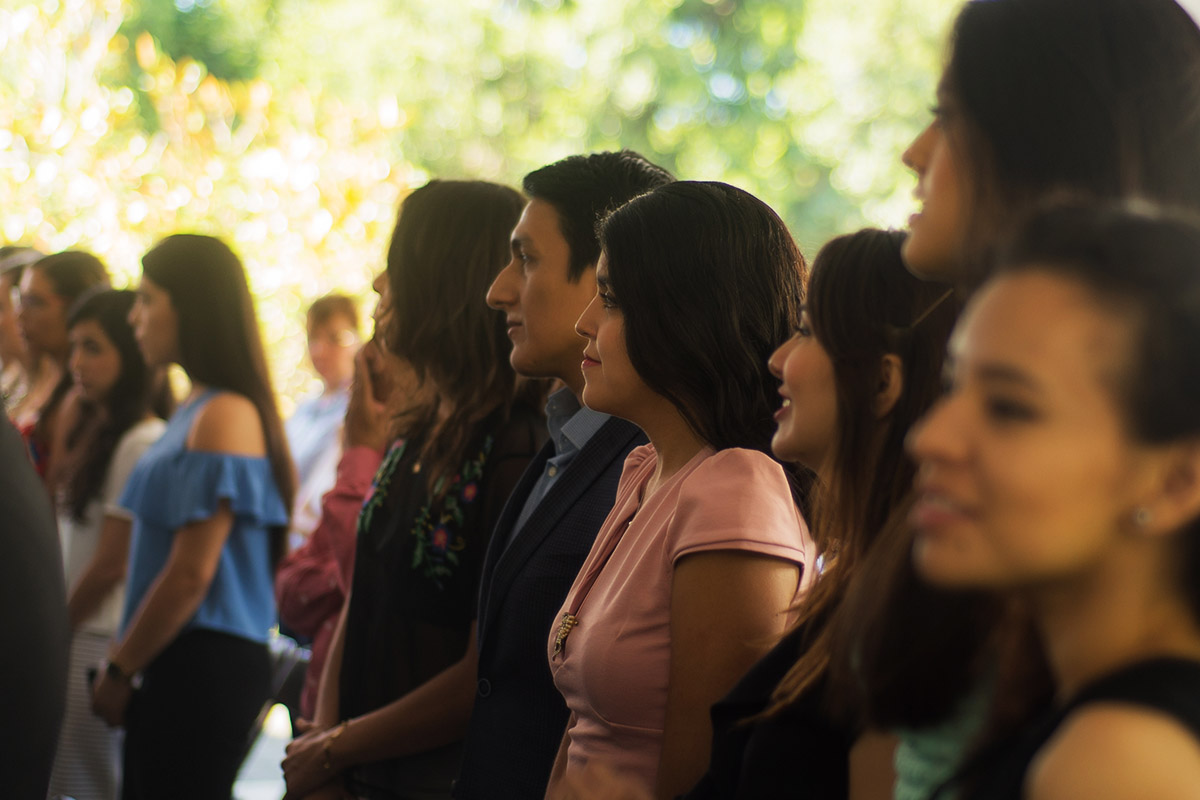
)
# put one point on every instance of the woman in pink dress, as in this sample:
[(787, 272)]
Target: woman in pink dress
[(691, 576)]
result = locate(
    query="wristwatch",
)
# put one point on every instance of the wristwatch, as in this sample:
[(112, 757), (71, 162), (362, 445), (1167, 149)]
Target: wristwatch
[(116, 673)]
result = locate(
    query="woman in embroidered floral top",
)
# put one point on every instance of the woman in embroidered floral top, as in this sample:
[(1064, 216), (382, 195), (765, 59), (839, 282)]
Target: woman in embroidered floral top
[(400, 679)]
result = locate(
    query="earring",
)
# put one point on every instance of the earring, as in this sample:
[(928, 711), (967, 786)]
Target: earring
[(1142, 516)]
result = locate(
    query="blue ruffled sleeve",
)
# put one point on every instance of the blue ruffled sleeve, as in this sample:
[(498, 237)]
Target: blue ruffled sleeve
[(190, 485), (171, 489)]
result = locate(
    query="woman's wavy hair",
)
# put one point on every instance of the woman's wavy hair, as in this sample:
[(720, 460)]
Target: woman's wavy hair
[(137, 392), (863, 305), (1090, 96), (219, 341), (709, 282), (451, 240)]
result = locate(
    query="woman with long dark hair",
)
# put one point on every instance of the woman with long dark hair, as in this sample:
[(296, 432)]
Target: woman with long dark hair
[(210, 504), (863, 365), (1062, 469), (691, 575), (113, 423), (49, 287), (400, 676)]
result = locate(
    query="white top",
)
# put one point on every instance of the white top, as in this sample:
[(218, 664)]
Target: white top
[(80, 537)]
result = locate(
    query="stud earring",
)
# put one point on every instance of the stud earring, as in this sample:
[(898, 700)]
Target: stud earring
[(1142, 516)]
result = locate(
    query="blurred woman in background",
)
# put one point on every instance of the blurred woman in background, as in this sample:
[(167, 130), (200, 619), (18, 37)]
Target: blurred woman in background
[(110, 425), (48, 288), (210, 503)]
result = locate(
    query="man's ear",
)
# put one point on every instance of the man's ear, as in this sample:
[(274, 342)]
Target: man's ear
[(891, 384)]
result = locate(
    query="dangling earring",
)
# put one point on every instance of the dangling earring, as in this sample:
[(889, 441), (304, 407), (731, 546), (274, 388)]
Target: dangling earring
[(1142, 516)]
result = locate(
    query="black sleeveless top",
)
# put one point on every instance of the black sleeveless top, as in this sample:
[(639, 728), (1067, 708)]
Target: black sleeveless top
[(1167, 685), (801, 752)]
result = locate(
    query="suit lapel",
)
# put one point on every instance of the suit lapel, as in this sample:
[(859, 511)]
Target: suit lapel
[(504, 525), (609, 443)]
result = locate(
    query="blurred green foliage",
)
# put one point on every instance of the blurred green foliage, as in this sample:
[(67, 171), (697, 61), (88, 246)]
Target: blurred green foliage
[(292, 128)]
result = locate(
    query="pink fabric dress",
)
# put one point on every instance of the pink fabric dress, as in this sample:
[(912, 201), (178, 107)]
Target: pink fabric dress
[(614, 666)]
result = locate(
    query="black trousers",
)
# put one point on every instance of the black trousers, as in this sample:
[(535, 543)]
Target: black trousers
[(187, 726)]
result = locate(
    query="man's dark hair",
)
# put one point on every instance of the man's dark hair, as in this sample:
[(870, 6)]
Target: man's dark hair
[(584, 188)]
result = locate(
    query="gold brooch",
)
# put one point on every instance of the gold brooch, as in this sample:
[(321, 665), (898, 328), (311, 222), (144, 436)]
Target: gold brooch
[(569, 621)]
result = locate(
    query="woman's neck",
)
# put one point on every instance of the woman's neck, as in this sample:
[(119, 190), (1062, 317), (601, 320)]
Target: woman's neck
[(675, 444), (330, 389), (1118, 613)]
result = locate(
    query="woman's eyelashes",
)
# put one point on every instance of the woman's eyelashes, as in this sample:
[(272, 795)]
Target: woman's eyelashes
[(1006, 409)]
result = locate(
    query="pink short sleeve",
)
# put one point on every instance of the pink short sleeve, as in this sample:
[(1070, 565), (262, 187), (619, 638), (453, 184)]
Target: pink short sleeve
[(739, 500)]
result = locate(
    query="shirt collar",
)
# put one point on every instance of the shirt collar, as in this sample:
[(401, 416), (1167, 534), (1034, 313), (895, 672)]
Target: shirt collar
[(571, 425)]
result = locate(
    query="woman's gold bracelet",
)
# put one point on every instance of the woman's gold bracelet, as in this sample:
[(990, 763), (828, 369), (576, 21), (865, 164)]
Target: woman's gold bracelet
[(328, 744)]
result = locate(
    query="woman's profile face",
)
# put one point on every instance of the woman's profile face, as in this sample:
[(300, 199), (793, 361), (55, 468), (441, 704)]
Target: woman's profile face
[(611, 384), (933, 248), (1026, 472), (155, 324), (95, 362), (806, 421), (43, 315)]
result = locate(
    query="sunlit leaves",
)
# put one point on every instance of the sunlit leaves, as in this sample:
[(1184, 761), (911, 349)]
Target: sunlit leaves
[(293, 127)]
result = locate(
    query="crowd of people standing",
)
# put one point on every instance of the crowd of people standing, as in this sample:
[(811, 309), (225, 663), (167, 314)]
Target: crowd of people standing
[(626, 498)]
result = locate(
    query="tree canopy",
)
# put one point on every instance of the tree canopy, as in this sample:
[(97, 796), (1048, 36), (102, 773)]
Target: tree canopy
[(292, 128)]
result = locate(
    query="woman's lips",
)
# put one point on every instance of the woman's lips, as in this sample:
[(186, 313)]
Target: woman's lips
[(934, 509)]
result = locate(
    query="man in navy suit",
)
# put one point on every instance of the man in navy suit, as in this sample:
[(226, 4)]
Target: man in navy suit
[(549, 523)]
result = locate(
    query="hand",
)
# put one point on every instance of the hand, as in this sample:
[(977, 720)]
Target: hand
[(304, 767), (110, 699), (368, 418)]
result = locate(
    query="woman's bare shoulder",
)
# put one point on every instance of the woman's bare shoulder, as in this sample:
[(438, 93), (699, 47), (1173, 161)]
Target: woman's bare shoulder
[(1117, 750), (228, 423)]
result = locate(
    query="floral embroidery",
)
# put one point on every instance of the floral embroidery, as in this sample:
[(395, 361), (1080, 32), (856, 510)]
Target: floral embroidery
[(380, 484), (441, 537), (438, 543)]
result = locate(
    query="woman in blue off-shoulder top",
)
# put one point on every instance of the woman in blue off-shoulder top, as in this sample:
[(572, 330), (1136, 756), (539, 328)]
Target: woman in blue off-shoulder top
[(188, 670)]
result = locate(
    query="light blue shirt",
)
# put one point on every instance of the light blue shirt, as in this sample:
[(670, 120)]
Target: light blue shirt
[(313, 429), (571, 426)]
